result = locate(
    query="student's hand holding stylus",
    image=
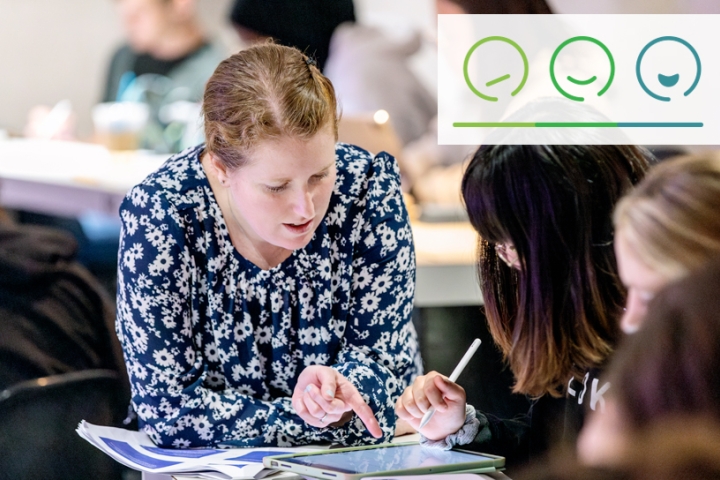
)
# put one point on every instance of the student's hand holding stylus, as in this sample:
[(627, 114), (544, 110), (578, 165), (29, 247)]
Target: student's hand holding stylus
[(433, 390), (432, 394)]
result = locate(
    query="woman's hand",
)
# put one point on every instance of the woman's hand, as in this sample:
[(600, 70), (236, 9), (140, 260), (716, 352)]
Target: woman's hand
[(433, 390), (323, 397)]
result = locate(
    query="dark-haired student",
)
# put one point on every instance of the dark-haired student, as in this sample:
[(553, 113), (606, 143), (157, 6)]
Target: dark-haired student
[(552, 293)]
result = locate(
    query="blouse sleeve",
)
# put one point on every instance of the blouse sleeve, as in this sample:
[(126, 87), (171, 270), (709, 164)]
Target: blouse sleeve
[(157, 321), (380, 353)]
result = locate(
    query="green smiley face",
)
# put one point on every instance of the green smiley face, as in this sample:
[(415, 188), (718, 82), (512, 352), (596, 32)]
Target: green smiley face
[(501, 78), (586, 81)]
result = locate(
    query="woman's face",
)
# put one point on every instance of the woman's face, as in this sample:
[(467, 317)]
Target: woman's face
[(281, 195), (641, 281), (145, 22)]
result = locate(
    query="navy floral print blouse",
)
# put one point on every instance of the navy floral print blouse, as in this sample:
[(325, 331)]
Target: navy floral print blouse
[(214, 344)]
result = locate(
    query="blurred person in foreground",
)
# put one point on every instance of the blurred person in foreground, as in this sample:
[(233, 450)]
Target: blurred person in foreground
[(673, 448), (668, 369), (666, 228)]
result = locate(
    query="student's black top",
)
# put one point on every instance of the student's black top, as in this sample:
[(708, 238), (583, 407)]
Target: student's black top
[(549, 422)]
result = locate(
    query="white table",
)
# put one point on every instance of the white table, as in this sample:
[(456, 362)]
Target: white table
[(70, 179), (401, 439)]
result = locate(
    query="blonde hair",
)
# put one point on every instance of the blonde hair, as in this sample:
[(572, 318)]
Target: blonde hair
[(671, 220), (265, 92)]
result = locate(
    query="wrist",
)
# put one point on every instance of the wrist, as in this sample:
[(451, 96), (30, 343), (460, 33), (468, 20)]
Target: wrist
[(462, 436)]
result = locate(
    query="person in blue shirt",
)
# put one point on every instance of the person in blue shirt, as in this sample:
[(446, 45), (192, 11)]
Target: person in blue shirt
[(266, 278)]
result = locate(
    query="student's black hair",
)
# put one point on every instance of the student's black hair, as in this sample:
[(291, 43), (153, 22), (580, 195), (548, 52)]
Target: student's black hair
[(556, 316)]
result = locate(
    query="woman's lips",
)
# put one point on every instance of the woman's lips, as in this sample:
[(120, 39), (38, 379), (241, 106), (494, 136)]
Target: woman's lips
[(299, 229)]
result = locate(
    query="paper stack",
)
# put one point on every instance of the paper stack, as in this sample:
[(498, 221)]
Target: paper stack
[(135, 450)]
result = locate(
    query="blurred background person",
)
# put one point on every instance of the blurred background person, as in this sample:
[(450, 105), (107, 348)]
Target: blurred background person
[(492, 7), (305, 24), (158, 74), (164, 37), (154, 86), (666, 228), (164, 64)]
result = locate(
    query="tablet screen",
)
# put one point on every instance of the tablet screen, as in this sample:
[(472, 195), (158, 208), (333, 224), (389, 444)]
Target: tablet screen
[(386, 459)]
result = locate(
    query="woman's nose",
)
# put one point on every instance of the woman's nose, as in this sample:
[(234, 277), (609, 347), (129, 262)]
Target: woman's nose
[(632, 317), (304, 204)]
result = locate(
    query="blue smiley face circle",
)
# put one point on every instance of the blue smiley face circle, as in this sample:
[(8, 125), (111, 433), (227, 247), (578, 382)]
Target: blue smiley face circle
[(671, 80)]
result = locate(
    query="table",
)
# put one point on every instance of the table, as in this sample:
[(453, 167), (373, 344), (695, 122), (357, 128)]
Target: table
[(70, 179), (401, 439)]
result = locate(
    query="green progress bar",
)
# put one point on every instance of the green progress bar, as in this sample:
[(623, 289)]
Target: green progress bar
[(578, 124)]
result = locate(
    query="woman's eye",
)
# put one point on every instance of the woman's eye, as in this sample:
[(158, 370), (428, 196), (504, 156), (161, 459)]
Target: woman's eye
[(277, 189), (318, 177)]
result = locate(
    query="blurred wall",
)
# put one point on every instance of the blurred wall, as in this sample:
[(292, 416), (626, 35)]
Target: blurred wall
[(56, 49)]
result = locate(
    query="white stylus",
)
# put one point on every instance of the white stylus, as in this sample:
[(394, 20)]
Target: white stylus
[(453, 377)]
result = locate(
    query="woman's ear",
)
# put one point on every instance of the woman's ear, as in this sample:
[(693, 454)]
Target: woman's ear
[(220, 169)]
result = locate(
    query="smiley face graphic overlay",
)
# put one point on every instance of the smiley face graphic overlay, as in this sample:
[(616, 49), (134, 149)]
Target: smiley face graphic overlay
[(584, 81), (668, 81), (501, 78)]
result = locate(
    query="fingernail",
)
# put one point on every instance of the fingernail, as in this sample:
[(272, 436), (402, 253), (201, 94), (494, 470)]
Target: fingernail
[(330, 393), (307, 389)]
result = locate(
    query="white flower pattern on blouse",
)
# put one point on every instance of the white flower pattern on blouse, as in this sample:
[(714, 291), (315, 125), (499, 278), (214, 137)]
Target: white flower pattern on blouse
[(214, 345)]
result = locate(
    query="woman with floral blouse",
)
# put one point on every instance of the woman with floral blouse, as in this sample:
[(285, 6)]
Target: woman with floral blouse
[(266, 278)]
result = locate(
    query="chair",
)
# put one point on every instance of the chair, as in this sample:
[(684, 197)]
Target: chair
[(38, 419)]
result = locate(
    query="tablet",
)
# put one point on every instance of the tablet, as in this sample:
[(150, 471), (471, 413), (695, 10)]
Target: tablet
[(386, 459)]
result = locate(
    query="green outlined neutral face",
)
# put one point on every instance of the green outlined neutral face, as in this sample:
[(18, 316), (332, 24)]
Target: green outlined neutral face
[(588, 80), (668, 81), (502, 78)]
